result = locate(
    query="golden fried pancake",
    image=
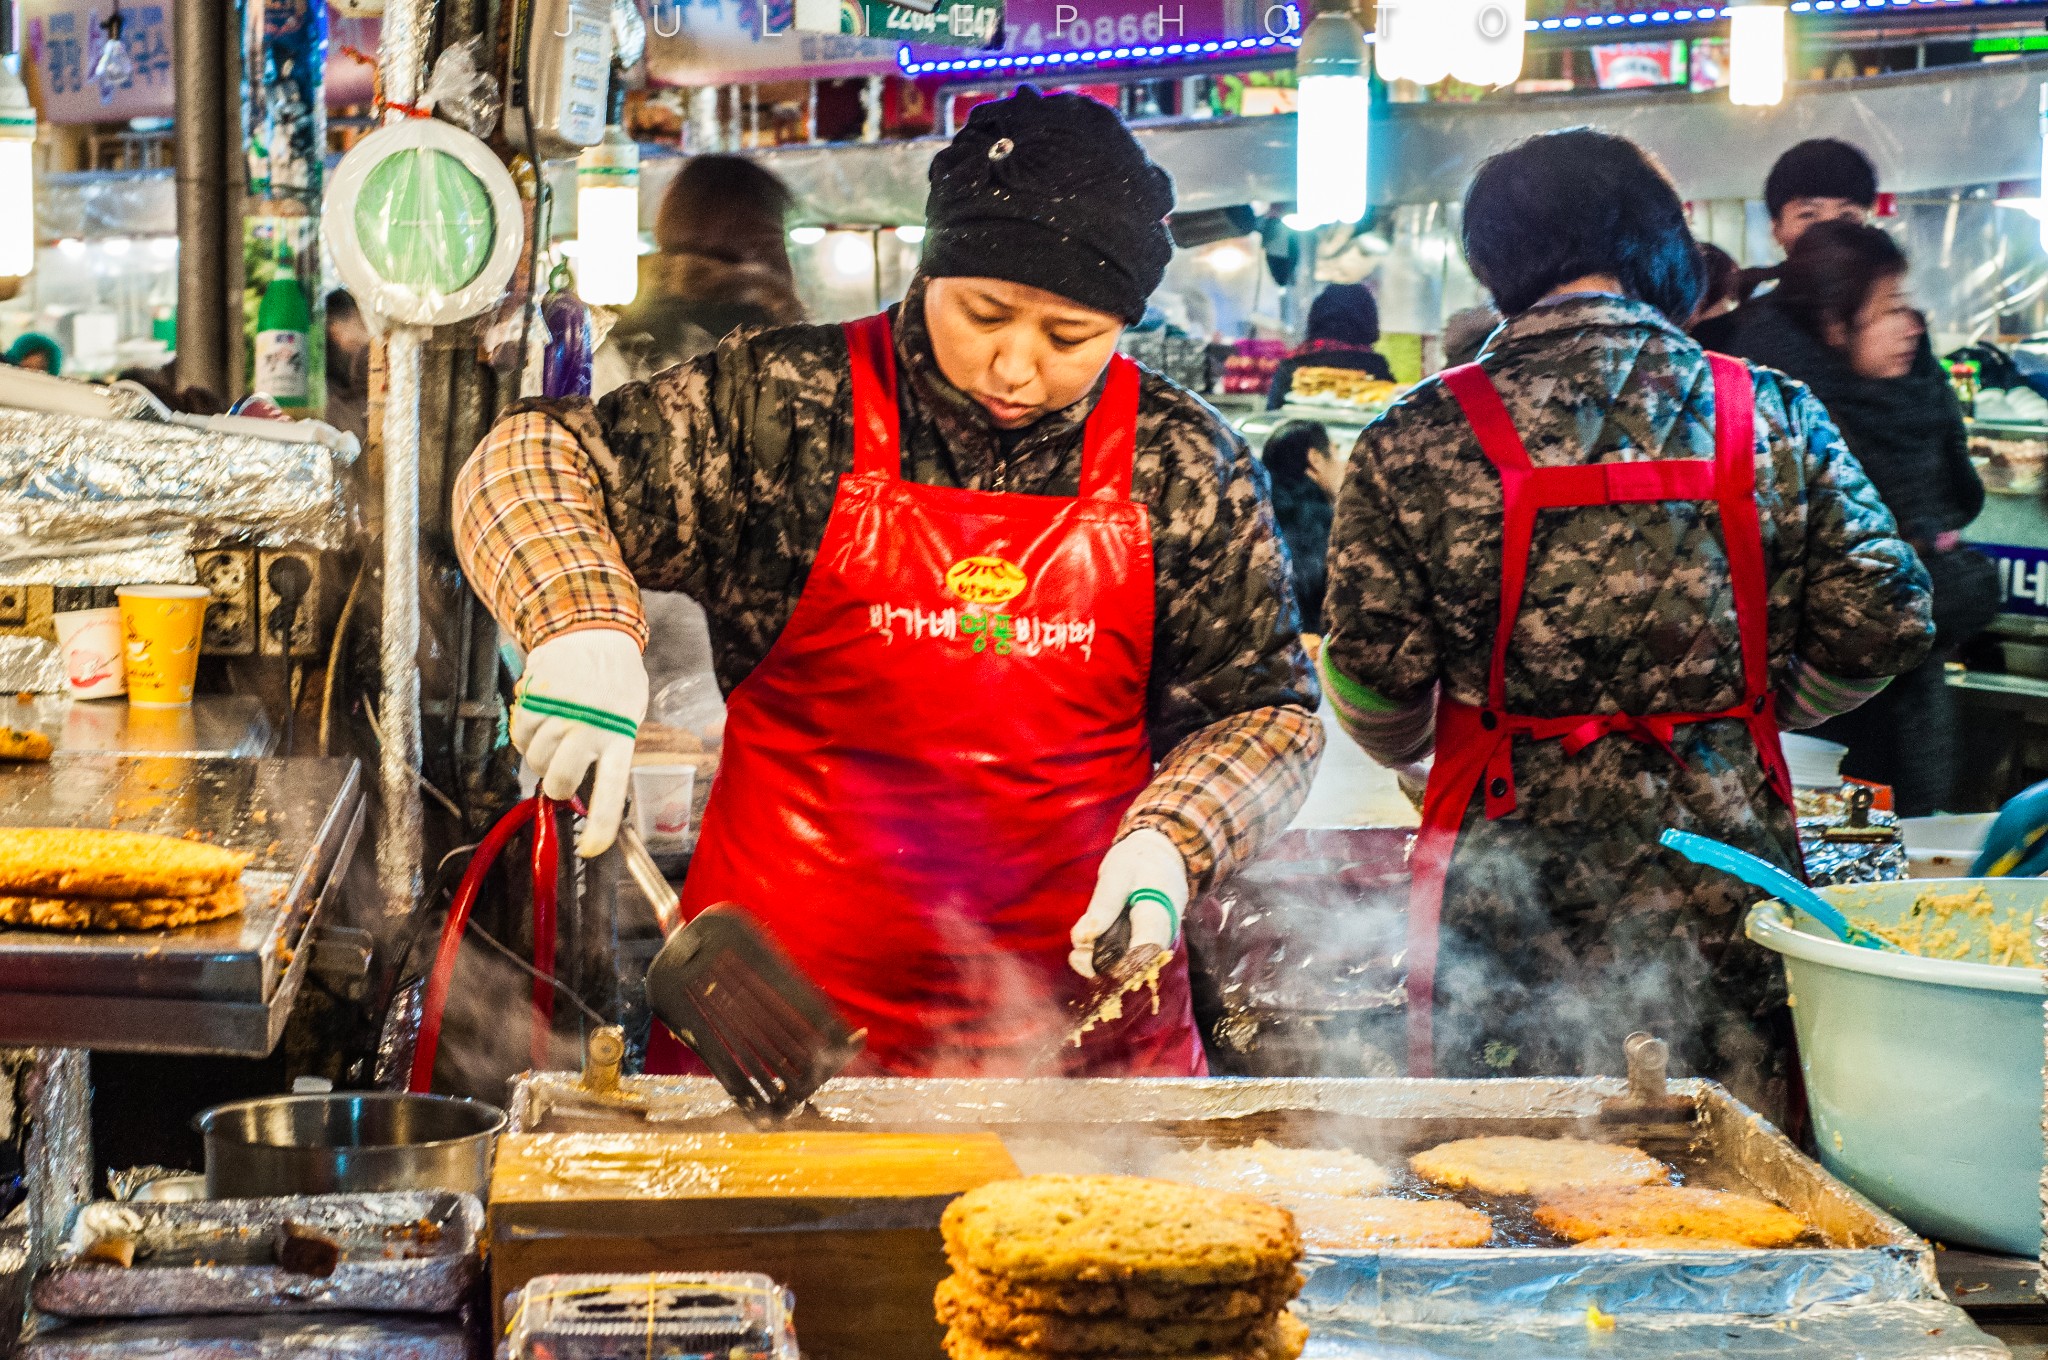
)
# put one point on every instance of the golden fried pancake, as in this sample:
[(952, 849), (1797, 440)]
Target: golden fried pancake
[(1661, 1243), (987, 1319), (1108, 1228), (1139, 1303), (61, 862), (1335, 1224), (1276, 1173), (1536, 1166), (109, 913), (1669, 1211), (1283, 1339), (16, 744)]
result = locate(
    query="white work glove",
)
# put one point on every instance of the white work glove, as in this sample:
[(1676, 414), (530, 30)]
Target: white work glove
[(580, 703), (1147, 865), (1414, 780)]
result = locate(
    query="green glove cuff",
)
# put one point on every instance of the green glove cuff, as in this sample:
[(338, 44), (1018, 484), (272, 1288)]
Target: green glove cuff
[(1159, 898), (601, 718)]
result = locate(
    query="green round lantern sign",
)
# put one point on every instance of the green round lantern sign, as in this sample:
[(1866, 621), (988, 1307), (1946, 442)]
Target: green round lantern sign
[(424, 223)]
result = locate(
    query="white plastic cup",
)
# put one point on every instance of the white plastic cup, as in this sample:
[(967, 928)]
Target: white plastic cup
[(90, 640), (663, 800)]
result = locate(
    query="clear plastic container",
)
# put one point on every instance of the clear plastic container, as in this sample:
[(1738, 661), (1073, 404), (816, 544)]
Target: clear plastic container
[(651, 1317)]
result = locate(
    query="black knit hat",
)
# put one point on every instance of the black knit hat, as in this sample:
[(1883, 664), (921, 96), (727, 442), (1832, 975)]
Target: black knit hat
[(1053, 193)]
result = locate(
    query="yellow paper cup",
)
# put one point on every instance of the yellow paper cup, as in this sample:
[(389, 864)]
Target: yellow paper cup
[(160, 628)]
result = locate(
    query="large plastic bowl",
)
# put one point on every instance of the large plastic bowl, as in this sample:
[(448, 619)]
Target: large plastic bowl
[(1924, 1074)]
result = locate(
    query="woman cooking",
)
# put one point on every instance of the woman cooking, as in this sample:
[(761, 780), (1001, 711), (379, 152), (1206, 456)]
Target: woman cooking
[(1004, 621), (1594, 573)]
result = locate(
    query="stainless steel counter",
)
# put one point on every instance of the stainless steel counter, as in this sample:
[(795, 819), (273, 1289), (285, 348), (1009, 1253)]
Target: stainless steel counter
[(213, 725)]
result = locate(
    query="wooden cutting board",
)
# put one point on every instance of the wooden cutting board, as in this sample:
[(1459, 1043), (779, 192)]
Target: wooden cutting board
[(850, 1221)]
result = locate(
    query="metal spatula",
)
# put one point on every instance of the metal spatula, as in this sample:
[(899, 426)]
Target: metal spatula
[(768, 1035)]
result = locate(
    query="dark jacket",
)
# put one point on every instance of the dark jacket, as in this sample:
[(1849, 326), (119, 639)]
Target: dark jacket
[(1326, 354), (689, 302), (1908, 432), (1304, 510)]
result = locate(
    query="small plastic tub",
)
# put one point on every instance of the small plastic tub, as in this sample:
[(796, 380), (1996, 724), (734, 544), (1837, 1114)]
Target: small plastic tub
[(1924, 1074)]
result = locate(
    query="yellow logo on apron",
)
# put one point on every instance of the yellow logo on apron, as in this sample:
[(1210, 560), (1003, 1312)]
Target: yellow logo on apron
[(986, 580)]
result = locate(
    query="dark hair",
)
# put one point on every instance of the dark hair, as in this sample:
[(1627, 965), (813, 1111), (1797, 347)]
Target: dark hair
[(1821, 168), (1724, 275), (1346, 313), (1831, 273), (727, 208), (1567, 204), (1287, 449)]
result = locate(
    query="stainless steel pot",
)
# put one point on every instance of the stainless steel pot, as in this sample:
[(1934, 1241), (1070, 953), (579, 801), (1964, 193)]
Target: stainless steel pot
[(351, 1141)]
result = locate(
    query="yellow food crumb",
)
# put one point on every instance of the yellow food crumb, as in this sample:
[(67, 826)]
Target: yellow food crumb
[(1597, 1320), (1963, 926), (1838, 1140)]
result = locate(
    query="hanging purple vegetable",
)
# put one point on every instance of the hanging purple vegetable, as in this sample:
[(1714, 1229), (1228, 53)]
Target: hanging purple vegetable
[(565, 368)]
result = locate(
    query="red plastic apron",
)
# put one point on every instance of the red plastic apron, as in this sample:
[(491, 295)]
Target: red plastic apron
[(1475, 746), (921, 778)]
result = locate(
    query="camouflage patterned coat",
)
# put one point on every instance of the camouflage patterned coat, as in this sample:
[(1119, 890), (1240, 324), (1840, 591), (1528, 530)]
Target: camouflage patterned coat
[(1565, 925), (716, 479)]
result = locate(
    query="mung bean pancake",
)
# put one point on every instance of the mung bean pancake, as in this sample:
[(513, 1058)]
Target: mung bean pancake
[(111, 913), (1664, 1242), (1283, 1339), (69, 862), (1669, 1211), (1138, 1302), (992, 1321), (1330, 1223), (1536, 1166), (1046, 1229)]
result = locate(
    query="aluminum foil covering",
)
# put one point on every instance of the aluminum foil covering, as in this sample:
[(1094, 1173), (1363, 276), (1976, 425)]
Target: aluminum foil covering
[(58, 1162), (1924, 1330), (411, 1252), (278, 1336), (1831, 862), (33, 665), (1109, 1124), (75, 489)]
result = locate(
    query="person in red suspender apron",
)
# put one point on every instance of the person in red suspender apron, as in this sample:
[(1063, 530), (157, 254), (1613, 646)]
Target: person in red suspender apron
[(1008, 638), (1582, 583)]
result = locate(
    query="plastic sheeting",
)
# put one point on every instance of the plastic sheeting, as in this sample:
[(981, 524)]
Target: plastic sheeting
[(105, 203)]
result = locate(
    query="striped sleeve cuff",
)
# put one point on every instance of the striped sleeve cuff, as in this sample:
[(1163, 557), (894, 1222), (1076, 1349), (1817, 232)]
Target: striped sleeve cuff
[(1226, 790), (1391, 733), (1808, 696)]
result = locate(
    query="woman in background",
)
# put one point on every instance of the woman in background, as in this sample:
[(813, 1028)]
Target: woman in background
[(1840, 321), (721, 264), (1343, 327), (1305, 476)]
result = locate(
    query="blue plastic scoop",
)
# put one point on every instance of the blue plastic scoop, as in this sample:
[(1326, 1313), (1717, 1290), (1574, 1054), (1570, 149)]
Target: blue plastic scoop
[(1759, 873)]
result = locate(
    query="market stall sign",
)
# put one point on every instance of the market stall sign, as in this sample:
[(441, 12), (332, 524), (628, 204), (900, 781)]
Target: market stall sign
[(725, 42), (64, 42), (960, 23), (2022, 578)]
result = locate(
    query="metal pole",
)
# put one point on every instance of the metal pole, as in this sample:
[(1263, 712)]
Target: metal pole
[(400, 59), (198, 55)]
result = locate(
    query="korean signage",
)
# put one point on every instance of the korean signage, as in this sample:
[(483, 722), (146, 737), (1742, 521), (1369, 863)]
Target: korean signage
[(63, 41), (1052, 26), (718, 42), (947, 23), (2022, 578)]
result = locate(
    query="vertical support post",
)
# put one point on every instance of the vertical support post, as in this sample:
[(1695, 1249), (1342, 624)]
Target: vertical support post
[(58, 1159), (209, 297), (401, 57)]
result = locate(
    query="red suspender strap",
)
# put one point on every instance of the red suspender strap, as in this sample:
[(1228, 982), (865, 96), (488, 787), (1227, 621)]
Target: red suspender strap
[(871, 360), (1503, 447), (1110, 442), (1735, 461)]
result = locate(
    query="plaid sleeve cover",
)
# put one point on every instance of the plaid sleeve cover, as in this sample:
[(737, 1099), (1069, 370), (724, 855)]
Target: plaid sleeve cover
[(530, 530)]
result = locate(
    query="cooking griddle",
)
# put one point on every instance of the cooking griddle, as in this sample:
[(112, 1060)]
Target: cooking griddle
[(222, 987)]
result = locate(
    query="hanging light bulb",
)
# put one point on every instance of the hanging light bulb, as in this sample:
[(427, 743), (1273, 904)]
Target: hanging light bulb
[(1413, 40), (1333, 103), (17, 158), (1486, 40), (115, 67), (608, 212), (1756, 53)]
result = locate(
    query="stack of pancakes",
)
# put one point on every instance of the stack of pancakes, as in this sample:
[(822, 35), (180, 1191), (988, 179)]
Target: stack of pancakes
[(1117, 1266), (64, 879)]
